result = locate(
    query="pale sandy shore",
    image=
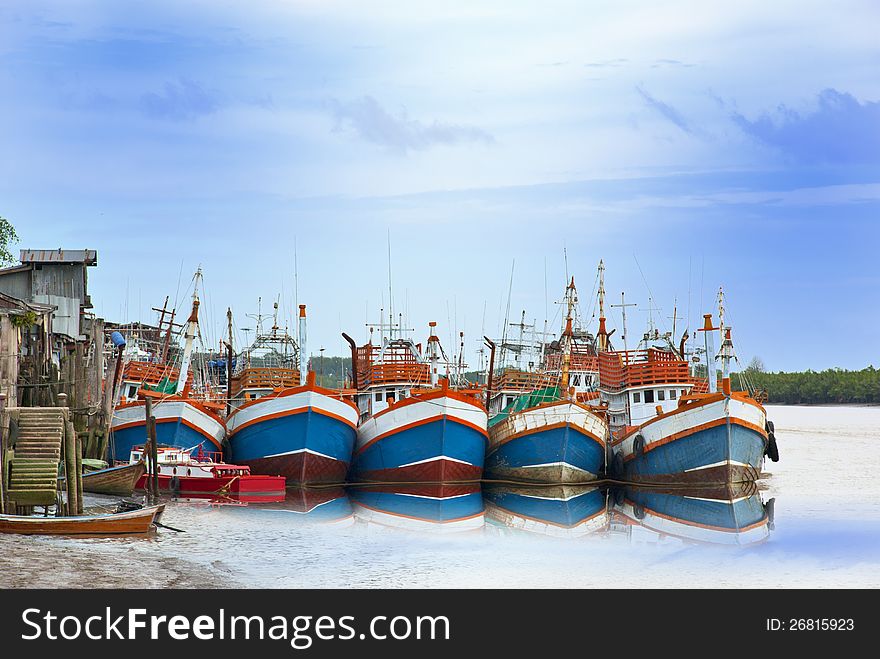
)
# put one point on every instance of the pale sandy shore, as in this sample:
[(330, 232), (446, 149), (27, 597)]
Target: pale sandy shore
[(34, 563)]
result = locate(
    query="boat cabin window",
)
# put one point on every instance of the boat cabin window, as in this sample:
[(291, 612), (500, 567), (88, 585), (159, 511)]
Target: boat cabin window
[(637, 397), (389, 397), (576, 381), (661, 395), (672, 394), (649, 395), (378, 397), (132, 391)]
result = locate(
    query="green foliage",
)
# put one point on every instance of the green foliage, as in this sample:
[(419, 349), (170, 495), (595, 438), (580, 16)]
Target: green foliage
[(823, 387), (25, 319), (7, 238)]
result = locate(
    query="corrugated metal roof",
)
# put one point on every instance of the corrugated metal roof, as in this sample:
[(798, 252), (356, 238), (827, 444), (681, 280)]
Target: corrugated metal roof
[(86, 256)]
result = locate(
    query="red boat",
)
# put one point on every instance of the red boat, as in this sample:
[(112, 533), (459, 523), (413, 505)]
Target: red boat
[(206, 475)]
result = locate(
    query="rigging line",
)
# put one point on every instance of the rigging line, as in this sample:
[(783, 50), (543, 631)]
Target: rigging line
[(702, 280), (690, 264), (295, 275), (390, 298), (594, 297), (653, 299), (546, 294), (177, 291), (507, 312)]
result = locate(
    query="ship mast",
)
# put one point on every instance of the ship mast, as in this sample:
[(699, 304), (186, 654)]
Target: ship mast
[(570, 300), (192, 327), (303, 357), (726, 346), (432, 353), (229, 357), (602, 334), (709, 340)]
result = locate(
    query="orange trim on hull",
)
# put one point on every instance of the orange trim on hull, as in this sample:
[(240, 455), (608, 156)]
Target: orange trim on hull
[(297, 410), (422, 422), (188, 424), (309, 386), (552, 426), (703, 426), (708, 400), (423, 397)]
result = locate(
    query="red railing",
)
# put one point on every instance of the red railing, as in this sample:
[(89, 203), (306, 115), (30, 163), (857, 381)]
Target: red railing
[(637, 368), (553, 362), (149, 373), (397, 366), (264, 378), (512, 379)]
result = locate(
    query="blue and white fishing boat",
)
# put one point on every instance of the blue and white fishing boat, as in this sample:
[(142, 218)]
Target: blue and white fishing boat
[(549, 435), (415, 427), (187, 414), (283, 423), (670, 427)]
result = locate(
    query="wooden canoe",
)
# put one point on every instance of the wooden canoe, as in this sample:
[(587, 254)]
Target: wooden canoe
[(115, 481), (126, 523)]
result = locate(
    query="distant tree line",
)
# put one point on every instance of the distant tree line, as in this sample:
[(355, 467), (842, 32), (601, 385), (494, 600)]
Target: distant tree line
[(833, 385), (804, 388), (331, 372)]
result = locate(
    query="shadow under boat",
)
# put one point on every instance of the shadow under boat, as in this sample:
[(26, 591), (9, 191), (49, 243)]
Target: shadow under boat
[(564, 511), (424, 507), (733, 514)]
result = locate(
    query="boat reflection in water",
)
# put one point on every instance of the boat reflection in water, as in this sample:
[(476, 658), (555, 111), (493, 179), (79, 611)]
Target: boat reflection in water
[(425, 507), (320, 506), (733, 515), (565, 511)]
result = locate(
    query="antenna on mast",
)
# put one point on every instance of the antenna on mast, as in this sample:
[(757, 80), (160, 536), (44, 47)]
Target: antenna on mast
[(507, 312), (622, 306), (295, 276), (390, 303)]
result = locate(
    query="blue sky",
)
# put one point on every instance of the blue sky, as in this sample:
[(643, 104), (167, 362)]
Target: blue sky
[(688, 147)]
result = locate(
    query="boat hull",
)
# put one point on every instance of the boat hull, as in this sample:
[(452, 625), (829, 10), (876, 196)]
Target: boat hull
[(716, 441), (437, 437), (135, 522), (114, 481), (304, 435), (560, 442), (179, 424)]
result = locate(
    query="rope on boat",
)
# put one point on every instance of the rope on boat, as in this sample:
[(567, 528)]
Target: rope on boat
[(170, 528)]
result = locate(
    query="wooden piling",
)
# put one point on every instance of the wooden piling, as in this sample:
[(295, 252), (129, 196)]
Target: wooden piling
[(3, 435), (79, 473), (151, 450), (155, 456), (69, 442)]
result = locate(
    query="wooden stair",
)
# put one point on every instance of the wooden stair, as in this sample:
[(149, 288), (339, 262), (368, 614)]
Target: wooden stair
[(36, 455)]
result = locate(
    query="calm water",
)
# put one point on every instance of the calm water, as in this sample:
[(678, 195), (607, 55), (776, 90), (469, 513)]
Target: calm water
[(814, 522)]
